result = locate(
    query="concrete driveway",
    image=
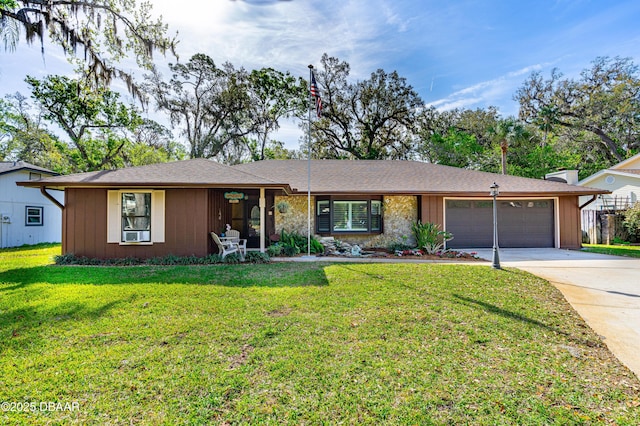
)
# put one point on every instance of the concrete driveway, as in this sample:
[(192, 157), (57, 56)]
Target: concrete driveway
[(604, 290)]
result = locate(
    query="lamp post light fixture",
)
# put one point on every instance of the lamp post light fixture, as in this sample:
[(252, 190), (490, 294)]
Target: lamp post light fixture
[(496, 256)]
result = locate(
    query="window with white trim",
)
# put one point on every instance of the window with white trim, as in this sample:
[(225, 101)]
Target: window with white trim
[(348, 216), (135, 217), (34, 216)]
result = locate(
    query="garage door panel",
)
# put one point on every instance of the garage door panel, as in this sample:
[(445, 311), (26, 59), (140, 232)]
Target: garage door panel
[(468, 222), (521, 223)]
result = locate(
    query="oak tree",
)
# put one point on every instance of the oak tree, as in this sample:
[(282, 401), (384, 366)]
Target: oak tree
[(600, 110), (366, 120), (274, 96), (96, 123), (209, 104), (105, 32)]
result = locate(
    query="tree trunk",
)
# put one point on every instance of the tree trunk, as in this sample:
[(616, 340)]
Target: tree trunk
[(608, 142), (503, 148)]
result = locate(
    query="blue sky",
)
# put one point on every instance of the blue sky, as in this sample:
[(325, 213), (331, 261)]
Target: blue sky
[(465, 54)]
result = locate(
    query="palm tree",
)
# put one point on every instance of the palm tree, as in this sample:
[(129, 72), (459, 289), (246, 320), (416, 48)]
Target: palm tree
[(546, 119), (508, 132)]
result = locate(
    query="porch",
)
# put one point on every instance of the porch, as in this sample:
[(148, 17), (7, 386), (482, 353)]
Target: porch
[(247, 210)]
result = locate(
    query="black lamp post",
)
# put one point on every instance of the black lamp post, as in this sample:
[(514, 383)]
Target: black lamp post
[(496, 257)]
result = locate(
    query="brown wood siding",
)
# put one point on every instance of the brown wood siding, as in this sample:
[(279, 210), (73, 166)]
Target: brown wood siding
[(569, 218), (186, 222), (219, 215), (64, 223), (86, 222), (270, 223), (186, 225), (431, 209)]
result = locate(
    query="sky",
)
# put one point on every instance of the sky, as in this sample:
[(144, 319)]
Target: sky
[(455, 53)]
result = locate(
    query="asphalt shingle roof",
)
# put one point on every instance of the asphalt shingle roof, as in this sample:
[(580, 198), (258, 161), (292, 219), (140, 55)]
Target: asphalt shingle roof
[(327, 177), (385, 177), (189, 173), (12, 166)]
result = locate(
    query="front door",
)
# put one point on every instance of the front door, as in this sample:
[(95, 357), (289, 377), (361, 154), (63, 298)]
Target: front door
[(245, 217)]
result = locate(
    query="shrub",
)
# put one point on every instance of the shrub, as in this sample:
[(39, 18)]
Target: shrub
[(257, 257), (170, 259), (232, 258), (274, 250), (212, 259), (288, 250), (65, 259), (429, 236), (632, 222), (125, 261), (86, 261), (316, 246), (191, 260), (398, 246), (294, 243)]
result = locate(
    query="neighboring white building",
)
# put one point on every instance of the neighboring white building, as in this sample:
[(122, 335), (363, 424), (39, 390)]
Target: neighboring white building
[(623, 180), (27, 216)]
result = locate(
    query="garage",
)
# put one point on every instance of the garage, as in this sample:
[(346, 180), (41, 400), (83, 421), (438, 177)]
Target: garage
[(521, 223)]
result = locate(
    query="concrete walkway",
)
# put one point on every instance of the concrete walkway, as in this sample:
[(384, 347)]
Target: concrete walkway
[(604, 290)]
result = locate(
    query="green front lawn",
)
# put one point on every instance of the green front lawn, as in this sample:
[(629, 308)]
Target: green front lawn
[(617, 250), (299, 343)]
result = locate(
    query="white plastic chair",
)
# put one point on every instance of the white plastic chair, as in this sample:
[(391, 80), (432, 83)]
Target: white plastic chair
[(241, 242), (226, 247)]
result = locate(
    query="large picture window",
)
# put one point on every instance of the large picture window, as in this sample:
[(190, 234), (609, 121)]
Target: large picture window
[(348, 216)]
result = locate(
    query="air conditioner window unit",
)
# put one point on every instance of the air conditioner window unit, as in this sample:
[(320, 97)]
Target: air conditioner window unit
[(136, 236)]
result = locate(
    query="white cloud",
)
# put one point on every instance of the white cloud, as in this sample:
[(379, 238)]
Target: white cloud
[(287, 35), (486, 93)]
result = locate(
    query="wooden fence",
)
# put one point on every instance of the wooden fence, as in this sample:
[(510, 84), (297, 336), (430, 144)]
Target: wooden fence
[(602, 227)]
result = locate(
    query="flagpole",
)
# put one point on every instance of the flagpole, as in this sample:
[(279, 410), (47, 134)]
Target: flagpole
[(309, 168)]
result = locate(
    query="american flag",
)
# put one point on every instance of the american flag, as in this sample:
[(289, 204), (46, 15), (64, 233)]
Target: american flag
[(316, 94)]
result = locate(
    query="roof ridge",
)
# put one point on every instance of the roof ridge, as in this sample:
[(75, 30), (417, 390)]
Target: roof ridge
[(22, 165)]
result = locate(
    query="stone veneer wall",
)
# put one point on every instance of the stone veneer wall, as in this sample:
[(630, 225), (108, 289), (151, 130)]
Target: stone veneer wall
[(295, 220), (399, 213)]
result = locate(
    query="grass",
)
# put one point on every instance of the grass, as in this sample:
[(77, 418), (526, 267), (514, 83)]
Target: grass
[(299, 343), (616, 250)]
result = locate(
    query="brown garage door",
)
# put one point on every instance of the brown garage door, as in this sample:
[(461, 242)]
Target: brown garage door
[(521, 223)]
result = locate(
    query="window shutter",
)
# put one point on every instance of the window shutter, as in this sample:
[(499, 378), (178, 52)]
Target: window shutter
[(113, 217), (324, 216), (376, 215), (157, 217)]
